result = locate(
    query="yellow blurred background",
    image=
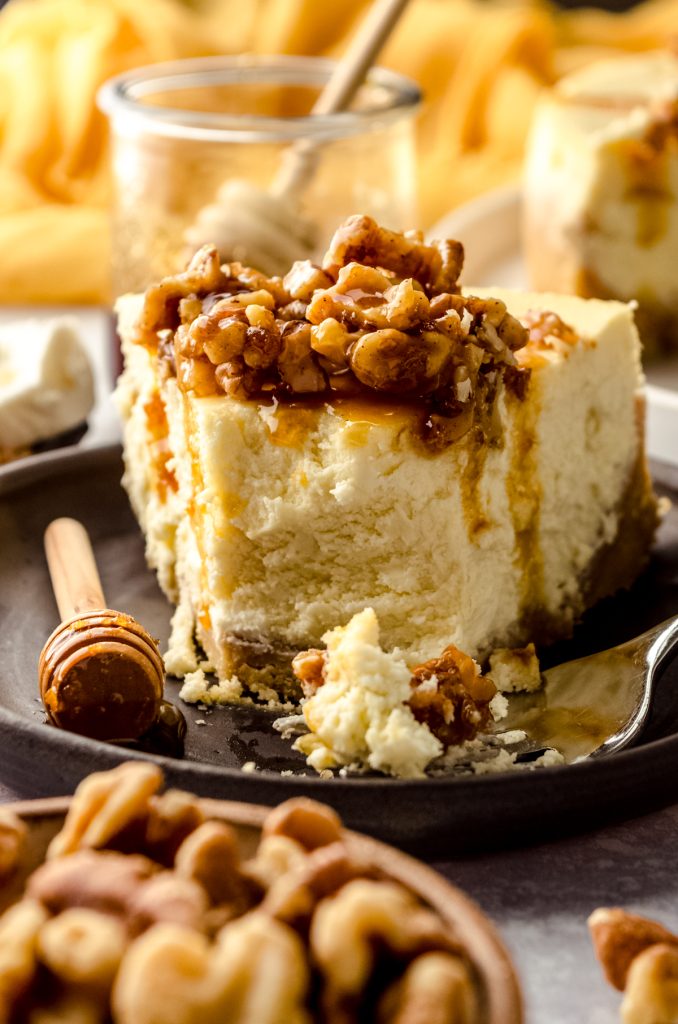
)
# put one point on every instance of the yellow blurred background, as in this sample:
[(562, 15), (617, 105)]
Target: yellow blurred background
[(481, 64)]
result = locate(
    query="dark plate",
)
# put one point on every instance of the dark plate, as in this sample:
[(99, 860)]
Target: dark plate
[(433, 816)]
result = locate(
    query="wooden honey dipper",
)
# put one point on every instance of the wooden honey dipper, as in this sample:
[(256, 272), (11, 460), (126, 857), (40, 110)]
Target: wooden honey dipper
[(100, 672)]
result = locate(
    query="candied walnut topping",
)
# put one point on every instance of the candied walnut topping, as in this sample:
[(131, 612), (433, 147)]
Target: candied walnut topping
[(547, 330), (451, 697), (382, 319)]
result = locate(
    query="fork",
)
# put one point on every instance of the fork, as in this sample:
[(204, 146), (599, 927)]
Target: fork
[(593, 706)]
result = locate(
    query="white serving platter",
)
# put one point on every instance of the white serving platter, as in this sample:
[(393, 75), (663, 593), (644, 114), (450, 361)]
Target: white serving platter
[(489, 228)]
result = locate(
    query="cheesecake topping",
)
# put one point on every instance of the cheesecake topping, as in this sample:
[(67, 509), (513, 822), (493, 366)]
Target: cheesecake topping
[(383, 318)]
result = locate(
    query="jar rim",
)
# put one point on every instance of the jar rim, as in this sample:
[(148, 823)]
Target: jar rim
[(122, 100)]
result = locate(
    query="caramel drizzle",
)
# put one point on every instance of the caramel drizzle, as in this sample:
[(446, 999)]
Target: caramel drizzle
[(524, 496)]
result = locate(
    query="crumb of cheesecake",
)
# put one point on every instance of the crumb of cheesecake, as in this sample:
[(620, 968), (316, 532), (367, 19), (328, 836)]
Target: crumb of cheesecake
[(515, 669), (198, 689), (181, 658), (365, 708), (382, 318), (359, 715)]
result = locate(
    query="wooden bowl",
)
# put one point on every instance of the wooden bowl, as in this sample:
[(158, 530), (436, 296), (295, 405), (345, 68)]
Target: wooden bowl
[(502, 997)]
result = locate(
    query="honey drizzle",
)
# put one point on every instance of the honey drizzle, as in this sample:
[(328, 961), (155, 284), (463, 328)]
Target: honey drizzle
[(158, 428), (471, 475), (524, 497)]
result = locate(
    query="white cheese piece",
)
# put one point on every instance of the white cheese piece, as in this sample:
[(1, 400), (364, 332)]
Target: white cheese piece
[(46, 381), (358, 716)]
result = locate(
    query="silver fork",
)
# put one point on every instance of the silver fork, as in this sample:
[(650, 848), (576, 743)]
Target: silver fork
[(593, 706)]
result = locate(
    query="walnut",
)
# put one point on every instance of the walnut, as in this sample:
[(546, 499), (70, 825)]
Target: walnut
[(255, 972), (331, 340), (104, 804), (652, 987), (83, 947), (12, 836), (19, 930), (309, 668), (349, 927), (619, 937), (304, 278), (436, 988), (307, 822), (360, 239), (196, 376), (451, 697), (389, 360), (547, 330), (220, 336), (161, 301), (296, 365)]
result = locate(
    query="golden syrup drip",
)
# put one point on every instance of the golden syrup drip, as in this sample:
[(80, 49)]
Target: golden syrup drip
[(474, 512), (524, 496), (290, 425), (158, 429)]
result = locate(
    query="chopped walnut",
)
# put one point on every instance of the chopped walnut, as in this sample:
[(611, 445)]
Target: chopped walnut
[(362, 240), (161, 301), (12, 836), (382, 318), (547, 330), (436, 988), (104, 804), (451, 697), (309, 668)]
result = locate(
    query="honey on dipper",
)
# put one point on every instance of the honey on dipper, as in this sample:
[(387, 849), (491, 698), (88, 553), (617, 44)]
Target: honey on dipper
[(101, 673)]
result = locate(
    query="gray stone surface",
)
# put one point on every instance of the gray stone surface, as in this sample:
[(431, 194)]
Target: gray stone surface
[(540, 898)]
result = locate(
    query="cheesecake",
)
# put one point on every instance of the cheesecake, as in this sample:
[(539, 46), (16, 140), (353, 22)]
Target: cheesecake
[(363, 434), (601, 189)]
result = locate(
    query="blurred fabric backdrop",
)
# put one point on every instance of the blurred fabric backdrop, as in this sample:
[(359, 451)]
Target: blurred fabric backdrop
[(481, 63)]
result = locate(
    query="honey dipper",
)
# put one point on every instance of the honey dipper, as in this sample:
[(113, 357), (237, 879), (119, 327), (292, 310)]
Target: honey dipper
[(100, 672)]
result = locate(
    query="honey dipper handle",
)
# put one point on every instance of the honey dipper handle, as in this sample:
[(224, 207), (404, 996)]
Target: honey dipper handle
[(72, 568), (298, 164)]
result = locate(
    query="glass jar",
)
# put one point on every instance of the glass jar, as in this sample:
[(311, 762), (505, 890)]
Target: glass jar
[(209, 145)]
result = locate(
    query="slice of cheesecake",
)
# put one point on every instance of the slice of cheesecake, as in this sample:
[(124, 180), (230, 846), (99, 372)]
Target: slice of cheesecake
[(601, 189), (470, 467)]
